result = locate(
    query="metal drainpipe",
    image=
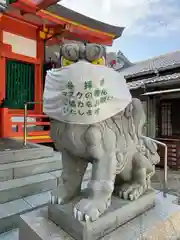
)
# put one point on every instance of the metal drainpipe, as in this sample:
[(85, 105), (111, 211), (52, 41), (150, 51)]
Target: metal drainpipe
[(25, 123)]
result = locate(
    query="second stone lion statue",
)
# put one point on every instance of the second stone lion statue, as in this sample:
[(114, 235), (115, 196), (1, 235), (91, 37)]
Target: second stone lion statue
[(123, 160)]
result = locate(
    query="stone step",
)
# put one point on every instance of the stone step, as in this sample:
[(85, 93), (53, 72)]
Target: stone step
[(22, 187), (10, 211), (27, 168), (14, 151)]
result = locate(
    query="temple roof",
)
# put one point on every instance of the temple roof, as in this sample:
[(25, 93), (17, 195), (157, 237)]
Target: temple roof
[(64, 23), (163, 62), (75, 17)]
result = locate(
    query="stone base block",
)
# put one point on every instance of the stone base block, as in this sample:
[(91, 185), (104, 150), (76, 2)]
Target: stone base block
[(120, 212), (160, 222)]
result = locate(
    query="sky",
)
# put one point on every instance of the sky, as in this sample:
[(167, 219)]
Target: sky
[(152, 27)]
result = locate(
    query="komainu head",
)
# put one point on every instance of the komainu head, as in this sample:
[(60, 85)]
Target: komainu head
[(74, 52), (84, 90)]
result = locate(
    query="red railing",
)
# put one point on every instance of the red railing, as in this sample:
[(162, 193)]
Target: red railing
[(32, 127)]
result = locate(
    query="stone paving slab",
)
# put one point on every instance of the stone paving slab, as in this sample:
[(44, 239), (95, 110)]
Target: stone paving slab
[(173, 183), (9, 213), (36, 226), (11, 235)]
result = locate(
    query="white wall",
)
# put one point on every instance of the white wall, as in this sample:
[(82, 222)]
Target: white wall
[(21, 45)]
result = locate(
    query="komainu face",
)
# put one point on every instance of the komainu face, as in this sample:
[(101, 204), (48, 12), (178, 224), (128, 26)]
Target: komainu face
[(74, 52)]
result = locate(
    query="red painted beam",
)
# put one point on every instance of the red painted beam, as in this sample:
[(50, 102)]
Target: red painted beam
[(79, 37), (33, 6), (43, 4), (27, 7)]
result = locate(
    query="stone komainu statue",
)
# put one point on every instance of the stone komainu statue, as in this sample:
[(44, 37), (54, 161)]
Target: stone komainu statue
[(123, 160)]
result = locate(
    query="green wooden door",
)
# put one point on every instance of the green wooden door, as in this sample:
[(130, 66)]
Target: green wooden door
[(10, 1), (19, 84)]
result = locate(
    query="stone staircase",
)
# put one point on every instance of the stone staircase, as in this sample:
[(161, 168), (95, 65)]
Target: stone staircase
[(27, 176), (25, 172)]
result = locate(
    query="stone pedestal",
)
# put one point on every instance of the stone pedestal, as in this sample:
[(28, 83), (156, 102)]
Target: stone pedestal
[(120, 212), (160, 222)]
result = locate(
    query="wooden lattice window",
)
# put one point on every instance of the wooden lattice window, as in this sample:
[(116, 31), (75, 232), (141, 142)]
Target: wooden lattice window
[(169, 118), (20, 78)]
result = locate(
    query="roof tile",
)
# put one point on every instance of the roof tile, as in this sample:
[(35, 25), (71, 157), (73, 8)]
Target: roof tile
[(141, 83), (157, 63)]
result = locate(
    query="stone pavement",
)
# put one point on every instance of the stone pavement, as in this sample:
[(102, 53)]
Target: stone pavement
[(173, 184)]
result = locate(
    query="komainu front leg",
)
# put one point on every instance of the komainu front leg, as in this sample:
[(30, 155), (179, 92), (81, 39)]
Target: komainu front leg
[(102, 181), (72, 175)]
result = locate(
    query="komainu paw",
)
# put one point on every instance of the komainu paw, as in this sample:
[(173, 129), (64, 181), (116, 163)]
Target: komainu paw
[(130, 191), (60, 196), (90, 209)]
